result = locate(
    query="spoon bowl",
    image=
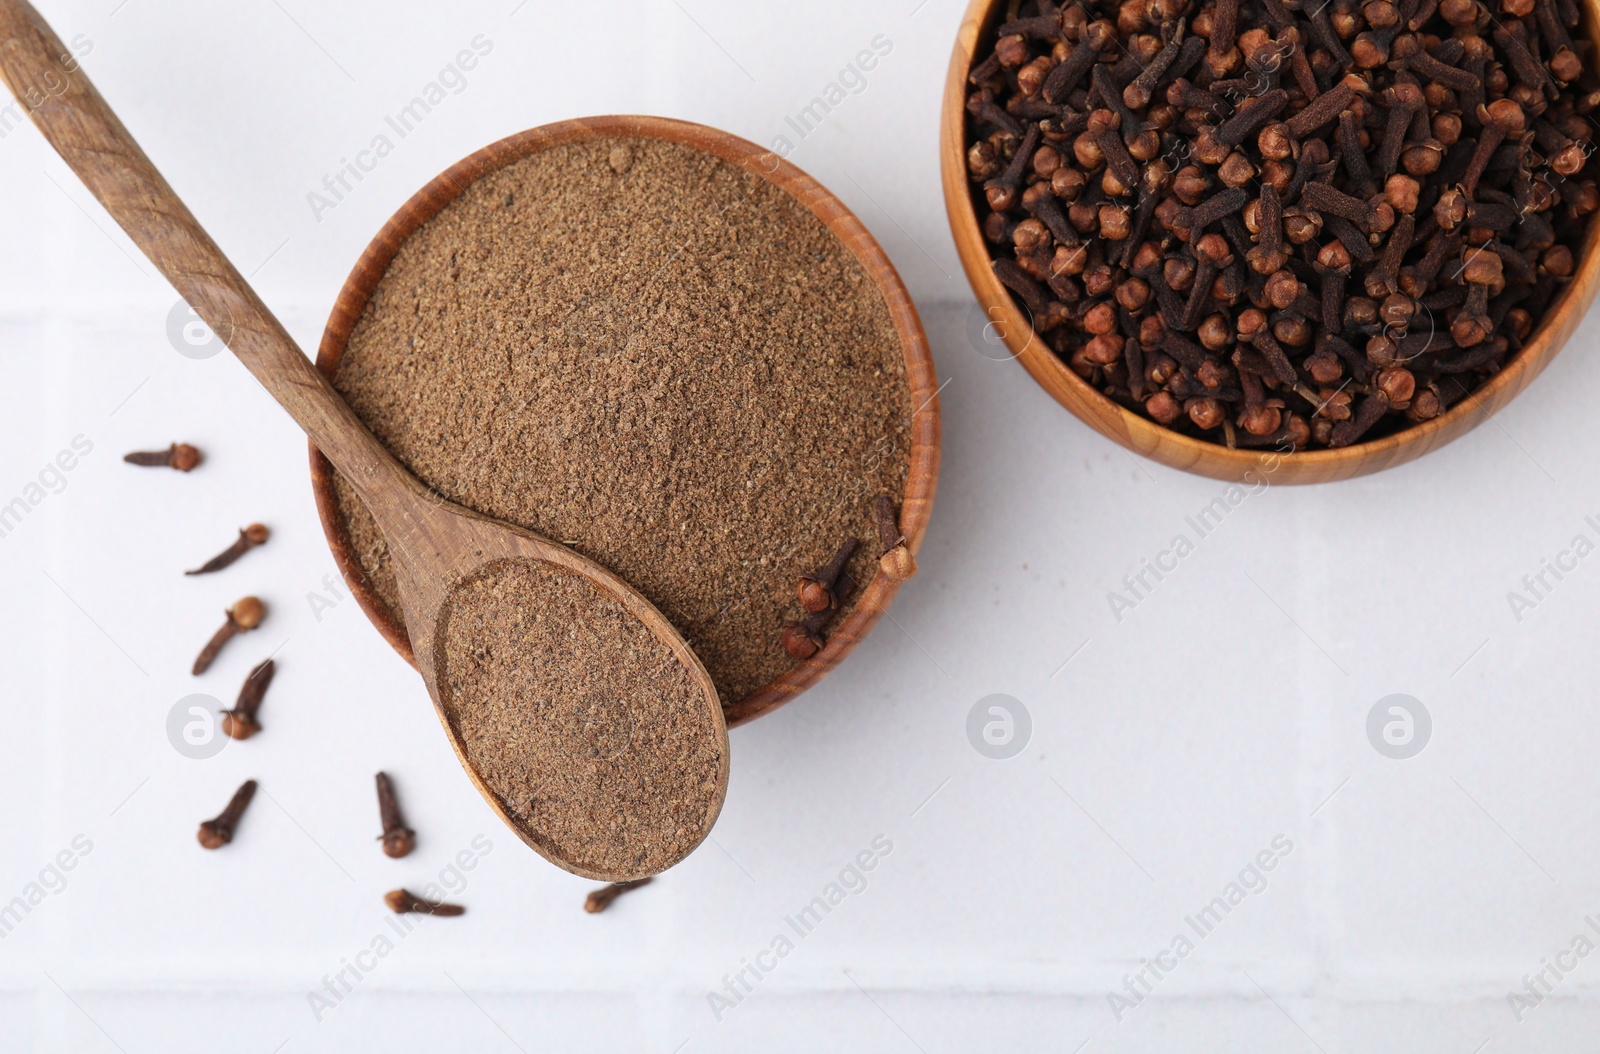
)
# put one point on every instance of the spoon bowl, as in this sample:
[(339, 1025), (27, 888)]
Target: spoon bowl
[(446, 555), (631, 771)]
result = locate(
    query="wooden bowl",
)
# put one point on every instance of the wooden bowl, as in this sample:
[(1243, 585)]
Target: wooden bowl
[(923, 472), (1144, 436)]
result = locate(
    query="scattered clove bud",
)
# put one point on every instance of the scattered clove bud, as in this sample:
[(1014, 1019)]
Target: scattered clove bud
[(214, 834), (243, 617), (405, 902), (240, 722), (180, 456), (895, 558), (398, 839), (250, 537), (816, 591), (601, 899)]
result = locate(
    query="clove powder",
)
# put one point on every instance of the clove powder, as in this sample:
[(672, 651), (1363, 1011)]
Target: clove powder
[(588, 729), (637, 349)]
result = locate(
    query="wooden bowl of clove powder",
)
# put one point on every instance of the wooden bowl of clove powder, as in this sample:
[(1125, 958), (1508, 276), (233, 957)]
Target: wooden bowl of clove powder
[(663, 346)]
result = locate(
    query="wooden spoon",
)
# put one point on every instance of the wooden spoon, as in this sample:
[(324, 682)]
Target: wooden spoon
[(673, 756)]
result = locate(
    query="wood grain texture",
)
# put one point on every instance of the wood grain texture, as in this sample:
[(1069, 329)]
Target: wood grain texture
[(437, 544), (1142, 435), (922, 478)]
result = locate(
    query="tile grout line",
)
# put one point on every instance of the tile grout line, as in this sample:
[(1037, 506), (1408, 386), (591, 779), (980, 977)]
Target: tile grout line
[(1325, 912)]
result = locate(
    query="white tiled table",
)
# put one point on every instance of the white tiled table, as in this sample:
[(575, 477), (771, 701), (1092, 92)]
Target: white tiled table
[(1227, 709)]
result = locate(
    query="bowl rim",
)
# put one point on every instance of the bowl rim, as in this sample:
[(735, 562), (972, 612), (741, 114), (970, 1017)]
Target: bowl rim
[(923, 455), (1175, 449)]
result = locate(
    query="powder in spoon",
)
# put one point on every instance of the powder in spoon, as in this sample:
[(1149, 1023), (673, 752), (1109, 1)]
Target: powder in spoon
[(640, 350), (594, 737)]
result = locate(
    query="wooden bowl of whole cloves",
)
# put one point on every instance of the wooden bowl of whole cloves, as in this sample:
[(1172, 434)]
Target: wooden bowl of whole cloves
[(1127, 187), (460, 448)]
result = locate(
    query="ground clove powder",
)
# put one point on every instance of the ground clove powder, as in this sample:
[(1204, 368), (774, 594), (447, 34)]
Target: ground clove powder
[(582, 722), (640, 350)]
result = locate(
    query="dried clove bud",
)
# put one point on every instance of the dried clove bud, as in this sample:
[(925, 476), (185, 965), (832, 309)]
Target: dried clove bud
[(398, 839), (216, 833), (243, 617), (895, 558), (816, 591), (601, 899), (180, 456), (240, 722), (250, 537), (405, 902)]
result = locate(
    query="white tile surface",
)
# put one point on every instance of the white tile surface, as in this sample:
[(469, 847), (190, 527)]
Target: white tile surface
[(1226, 709)]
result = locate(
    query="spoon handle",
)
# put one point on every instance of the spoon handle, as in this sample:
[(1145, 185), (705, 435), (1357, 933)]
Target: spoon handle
[(48, 82)]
